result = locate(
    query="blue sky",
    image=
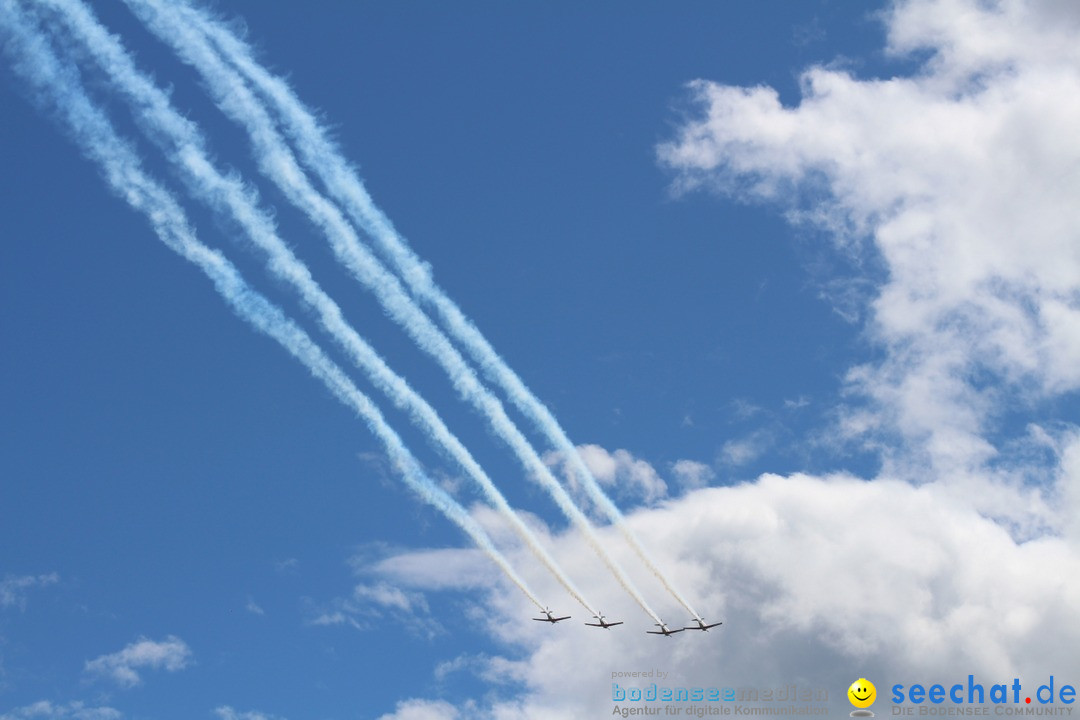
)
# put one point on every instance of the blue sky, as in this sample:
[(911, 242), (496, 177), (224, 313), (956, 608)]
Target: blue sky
[(800, 280)]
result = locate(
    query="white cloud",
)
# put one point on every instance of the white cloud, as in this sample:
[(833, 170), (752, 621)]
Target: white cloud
[(746, 449), (492, 670), (816, 579), (253, 607), (630, 478), (45, 710), (391, 598), (335, 617), (448, 667), (13, 589), (743, 409), (171, 654), (961, 179), (386, 598), (796, 404), (227, 713), (692, 474), (287, 566), (424, 710), (443, 568)]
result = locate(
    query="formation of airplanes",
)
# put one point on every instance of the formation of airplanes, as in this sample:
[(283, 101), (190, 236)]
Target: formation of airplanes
[(602, 622)]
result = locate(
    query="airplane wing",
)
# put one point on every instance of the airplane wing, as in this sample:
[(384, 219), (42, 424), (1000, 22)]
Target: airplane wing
[(566, 617)]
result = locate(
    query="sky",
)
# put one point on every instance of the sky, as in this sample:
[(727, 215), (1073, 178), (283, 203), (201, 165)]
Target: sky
[(800, 281)]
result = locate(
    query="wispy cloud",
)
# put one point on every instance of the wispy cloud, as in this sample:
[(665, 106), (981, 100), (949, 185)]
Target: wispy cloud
[(171, 654), (227, 713), (626, 476), (796, 403), (495, 670), (744, 409), (287, 566), (691, 474), (13, 589), (46, 710), (746, 449), (436, 569), (379, 599)]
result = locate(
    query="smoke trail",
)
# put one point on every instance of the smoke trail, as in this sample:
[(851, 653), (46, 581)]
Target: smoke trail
[(56, 83), (181, 138), (322, 157), (277, 162)]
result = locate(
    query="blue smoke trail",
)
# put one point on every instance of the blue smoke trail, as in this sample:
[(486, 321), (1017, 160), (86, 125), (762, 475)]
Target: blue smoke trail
[(182, 141), (321, 157), (277, 162), (57, 84)]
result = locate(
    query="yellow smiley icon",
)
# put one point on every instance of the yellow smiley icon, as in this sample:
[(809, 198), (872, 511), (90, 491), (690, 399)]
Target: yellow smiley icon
[(862, 693)]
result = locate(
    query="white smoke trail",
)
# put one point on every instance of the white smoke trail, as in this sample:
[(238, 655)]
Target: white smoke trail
[(277, 162), (179, 136), (57, 82), (321, 156)]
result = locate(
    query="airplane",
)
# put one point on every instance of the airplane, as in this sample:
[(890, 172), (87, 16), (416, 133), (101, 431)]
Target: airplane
[(603, 623), (664, 630), (549, 618), (701, 625)]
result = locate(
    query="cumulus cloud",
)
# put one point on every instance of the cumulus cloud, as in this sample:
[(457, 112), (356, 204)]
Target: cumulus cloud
[(46, 710), (171, 654), (818, 580), (13, 589), (960, 181)]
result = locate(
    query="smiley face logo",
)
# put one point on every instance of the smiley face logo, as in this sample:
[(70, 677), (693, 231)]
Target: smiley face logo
[(862, 693)]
